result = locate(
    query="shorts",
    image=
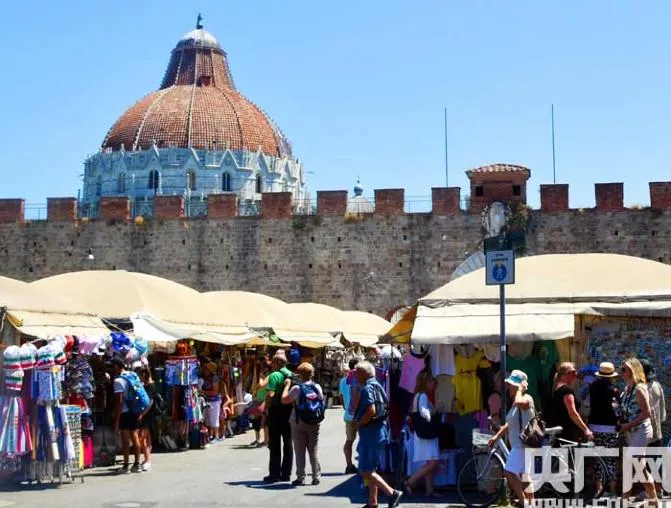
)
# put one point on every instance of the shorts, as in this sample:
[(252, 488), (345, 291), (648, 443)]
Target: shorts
[(128, 421), (640, 436), (212, 413), (257, 422), (369, 455), (350, 431)]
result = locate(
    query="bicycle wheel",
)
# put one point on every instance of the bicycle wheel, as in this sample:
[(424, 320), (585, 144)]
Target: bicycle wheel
[(480, 482), (596, 479)]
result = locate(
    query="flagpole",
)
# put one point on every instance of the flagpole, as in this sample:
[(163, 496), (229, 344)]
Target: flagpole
[(447, 180), (554, 158)]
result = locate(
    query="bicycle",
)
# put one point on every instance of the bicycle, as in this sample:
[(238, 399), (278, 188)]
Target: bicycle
[(481, 480)]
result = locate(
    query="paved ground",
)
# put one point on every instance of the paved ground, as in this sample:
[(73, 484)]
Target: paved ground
[(227, 474)]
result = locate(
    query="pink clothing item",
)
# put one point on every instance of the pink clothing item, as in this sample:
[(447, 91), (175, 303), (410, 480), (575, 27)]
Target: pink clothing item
[(87, 345), (412, 366)]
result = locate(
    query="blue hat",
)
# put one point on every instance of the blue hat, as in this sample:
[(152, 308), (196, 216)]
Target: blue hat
[(516, 378)]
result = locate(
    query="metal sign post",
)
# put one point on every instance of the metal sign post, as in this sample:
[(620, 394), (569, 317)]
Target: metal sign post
[(500, 270)]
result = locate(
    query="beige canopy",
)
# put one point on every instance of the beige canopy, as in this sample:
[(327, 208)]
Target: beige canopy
[(255, 309), (549, 291), (42, 314), (118, 294), (164, 310), (363, 328)]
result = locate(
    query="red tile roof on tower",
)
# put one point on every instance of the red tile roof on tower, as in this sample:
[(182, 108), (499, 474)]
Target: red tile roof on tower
[(499, 168), (198, 107)]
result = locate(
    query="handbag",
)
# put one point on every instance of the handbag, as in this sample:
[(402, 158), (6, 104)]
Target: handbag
[(533, 434), (425, 429)]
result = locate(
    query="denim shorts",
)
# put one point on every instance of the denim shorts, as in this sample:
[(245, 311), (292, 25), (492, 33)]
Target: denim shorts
[(369, 455)]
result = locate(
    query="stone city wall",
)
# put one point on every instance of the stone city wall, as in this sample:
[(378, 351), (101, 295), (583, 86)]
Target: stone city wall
[(372, 262)]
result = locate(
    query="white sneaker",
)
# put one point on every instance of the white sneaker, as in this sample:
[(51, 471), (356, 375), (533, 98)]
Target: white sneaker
[(146, 466)]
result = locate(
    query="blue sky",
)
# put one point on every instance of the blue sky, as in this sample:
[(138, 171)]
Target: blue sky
[(359, 86)]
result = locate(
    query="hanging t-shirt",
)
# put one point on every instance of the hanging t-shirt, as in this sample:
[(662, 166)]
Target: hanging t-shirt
[(444, 394), (520, 350), (546, 352), (442, 360), (530, 367), (412, 366), (468, 390), (492, 352)]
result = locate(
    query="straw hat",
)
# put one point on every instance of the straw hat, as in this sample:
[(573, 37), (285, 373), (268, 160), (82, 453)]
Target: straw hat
[(606, 370)]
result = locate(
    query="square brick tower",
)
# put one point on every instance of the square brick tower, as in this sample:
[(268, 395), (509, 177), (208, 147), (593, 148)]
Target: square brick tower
[(497, 182)]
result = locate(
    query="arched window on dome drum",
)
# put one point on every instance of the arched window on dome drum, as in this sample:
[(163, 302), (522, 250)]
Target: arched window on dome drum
[(154, 180), (259, 184), (122, 183), (191, 180), (226, 182), (99, 185)]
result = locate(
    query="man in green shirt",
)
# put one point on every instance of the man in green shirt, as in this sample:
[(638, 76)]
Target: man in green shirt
[(279, 427)]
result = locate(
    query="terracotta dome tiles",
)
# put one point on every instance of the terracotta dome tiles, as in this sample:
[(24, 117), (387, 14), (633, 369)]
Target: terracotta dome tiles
[(197, 106)]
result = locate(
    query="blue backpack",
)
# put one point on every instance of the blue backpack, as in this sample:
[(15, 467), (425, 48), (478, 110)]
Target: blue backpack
[(137, 399), (310, 405)]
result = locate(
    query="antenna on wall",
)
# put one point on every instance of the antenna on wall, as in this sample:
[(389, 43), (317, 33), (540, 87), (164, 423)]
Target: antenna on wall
[(554, 158), (447, 178)]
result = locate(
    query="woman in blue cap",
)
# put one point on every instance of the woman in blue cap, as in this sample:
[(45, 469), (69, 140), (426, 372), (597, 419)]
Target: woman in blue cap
[(521, 411)]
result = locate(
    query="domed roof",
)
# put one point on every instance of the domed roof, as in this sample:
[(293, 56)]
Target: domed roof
[(197, 106)]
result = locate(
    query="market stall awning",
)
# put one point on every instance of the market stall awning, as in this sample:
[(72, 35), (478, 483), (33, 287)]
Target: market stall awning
[(363, 328), (401, 331), (151, 328), (311, 339), (255, 309), (118, 294), (477, 324), (612, 278), (39, 313), (550, 290)]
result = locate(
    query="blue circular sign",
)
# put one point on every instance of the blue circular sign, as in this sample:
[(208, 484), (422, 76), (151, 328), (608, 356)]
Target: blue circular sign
[(499, 272)]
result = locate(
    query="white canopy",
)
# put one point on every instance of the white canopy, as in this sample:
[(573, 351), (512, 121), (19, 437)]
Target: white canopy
[(549, 291)]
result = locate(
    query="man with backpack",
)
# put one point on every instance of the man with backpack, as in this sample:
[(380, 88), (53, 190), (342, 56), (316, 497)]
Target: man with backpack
[(279, 427), (308, 402), (132, 401), (371, 417)]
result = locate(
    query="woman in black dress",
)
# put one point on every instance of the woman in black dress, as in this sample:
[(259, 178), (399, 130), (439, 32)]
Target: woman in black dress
[(566, 406)]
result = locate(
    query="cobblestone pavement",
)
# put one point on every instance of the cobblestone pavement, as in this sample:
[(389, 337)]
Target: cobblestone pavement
[(226, 474)]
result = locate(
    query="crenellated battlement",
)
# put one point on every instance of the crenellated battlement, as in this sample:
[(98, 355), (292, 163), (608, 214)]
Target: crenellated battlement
[(445, 201)]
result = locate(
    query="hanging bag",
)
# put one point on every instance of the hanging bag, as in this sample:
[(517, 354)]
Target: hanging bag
[(533, 433), (424, 429)]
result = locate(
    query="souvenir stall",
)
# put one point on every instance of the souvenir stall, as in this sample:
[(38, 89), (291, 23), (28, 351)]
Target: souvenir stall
[(41, 434), (565, 307)]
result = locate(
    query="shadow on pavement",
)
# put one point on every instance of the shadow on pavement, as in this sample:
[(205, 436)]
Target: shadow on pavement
[(350, 489), (260, 484), (18, 487)]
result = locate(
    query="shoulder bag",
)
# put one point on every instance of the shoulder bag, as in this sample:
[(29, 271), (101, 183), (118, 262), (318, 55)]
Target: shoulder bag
[(533, 433), (423, 428)]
